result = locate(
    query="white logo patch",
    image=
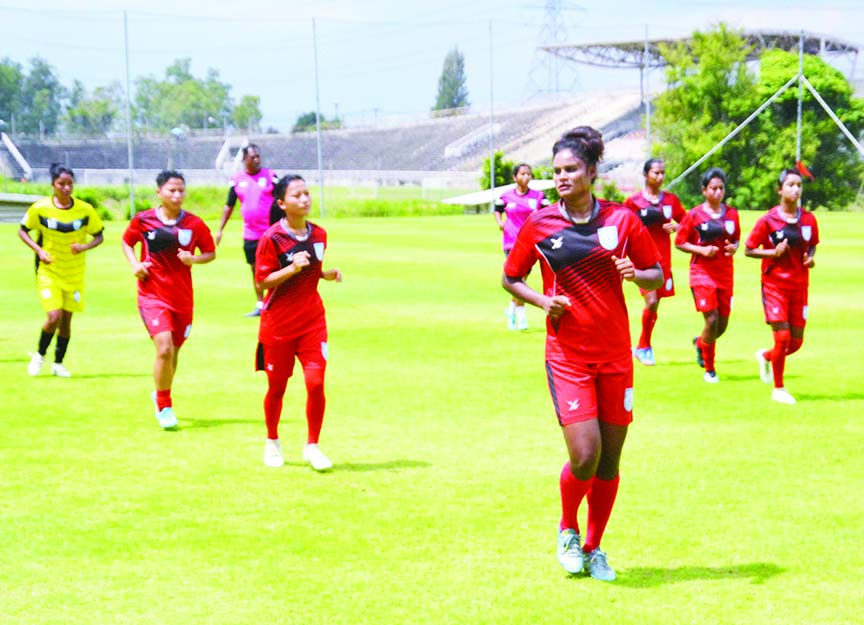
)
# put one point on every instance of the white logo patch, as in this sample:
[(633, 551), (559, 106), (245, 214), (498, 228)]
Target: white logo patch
[(628, 399), (77, 296), (187, 331), (269, 366), (242, 183), (532, 204), (184, 236), (155, 322), (52, 224), (324, 351), (46, 293), (557, 243), (76, 225), (573, 405), (262, 182), (668, 284), (608, 237), (730, 226), (511, 205), (780, 234), (151, 235), (806, 232), (804, 312), (319, 251), (667, 211)]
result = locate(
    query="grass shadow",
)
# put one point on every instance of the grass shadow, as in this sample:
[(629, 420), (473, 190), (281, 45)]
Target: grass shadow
[(194, 424), (97, 376), (652, 577), (830, 396), (389, 465)]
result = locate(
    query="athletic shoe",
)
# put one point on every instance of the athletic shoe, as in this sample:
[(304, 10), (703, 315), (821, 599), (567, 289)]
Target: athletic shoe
[(59, 370), (595, 562), (273, 453), (782, 396), (254, 313), (570, 553), (511, 318), (155, 404), (700, 360), (645, 355), (314, 456), (711, 377), (764, 366), (166, 418), (521, 322), (36, 363)]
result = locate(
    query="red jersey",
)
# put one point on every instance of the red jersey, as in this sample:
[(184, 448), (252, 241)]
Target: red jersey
[(787, 271), (700, 228), (577, 262), (170, 281), (294, 307), (654, 216)]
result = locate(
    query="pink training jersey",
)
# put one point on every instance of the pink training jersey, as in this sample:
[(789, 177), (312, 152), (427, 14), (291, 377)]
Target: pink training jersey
[(255, 192), (517, 208), (576, 261), (787, 271), (170, 281), (700, 228), (294, 307)]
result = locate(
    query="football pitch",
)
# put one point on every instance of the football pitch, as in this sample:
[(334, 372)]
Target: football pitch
[(443, 504)]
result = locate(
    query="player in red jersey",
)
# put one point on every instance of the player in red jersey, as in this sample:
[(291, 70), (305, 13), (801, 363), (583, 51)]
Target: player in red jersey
[(785, 238), (660, 212), (288, 265), (710, 233), (585, 247), (169, 238)]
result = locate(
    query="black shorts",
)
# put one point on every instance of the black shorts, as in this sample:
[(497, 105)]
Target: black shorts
[(249, 248)]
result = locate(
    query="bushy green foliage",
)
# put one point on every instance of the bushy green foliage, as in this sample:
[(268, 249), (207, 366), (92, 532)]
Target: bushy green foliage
[(452, 90), (711, 91), (503, 171)]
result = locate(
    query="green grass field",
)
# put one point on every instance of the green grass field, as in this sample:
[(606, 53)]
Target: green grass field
[(443, 503)]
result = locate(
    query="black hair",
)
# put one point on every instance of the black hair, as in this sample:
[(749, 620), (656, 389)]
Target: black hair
[(650, 163), (56, 170), (248, 147), (789, 171), (520, 166), (584, 142), (282, 185), (166, 174), (714, 172)]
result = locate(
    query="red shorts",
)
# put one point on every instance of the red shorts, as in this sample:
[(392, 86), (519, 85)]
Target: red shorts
[(788, 305), (158, 318), (582, 391), (668, 287), (708, 298), (277, 360)]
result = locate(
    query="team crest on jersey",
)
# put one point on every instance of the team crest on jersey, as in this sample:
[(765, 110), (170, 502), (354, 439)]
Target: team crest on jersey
[(319, 251), (242, 183), (184, 236), (806, 232), (262, 182), (608, 237), (151, 235), (76, 225), (730, 226), (511, 205), (667, 211), (52, 224)]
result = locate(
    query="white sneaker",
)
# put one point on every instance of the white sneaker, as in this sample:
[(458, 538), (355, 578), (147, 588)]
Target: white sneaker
[(314, 456), (511, 317), (598, 567), (166, 418), (570, 554), (711, 377), (36, 363), (273, 453), (764, 366), (521, 319), (59, 370), (782, 396)]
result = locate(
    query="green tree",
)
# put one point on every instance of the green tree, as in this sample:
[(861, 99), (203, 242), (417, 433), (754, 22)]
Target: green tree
[(94, 114), (503, 171), (11, 79), (247, 114), (306, 122), (41, 99), (452, 91)]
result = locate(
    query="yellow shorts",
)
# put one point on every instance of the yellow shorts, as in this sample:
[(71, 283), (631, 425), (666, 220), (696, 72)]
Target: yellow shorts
[(54, 295)]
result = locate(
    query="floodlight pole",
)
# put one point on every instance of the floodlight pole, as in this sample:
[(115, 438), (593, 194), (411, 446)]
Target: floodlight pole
[(800, 97), (491, 122), (647, 99), (740, 127), (129, 120), (318, 115)]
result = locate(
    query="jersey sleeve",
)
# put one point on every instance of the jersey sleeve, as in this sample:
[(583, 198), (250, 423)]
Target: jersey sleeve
[(31, 218), (814, 237), (133, 232), (94, 222), (523, 255), (758, 236), (266, 258), (642, 251), (232, 197), (685, 230), (630, 204), (678, 212), (204, 238), (736, 236), (499, 205)]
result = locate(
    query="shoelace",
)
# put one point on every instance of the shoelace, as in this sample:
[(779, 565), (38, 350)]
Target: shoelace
[(598, 558)]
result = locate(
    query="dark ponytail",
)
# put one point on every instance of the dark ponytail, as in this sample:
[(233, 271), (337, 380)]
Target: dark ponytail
[(584, 142)]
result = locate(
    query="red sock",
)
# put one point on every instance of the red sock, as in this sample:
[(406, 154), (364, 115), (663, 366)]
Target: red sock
[(273, 406), (601, 498), (649, 318), (794, 345), (708, 350), (163, 399), (572, 493), (315, 402), (778, 355)]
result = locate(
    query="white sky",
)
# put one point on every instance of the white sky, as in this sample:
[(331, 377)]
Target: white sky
[(376, 57)]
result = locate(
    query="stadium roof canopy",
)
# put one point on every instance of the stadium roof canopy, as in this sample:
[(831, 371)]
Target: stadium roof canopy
[(632, 54)]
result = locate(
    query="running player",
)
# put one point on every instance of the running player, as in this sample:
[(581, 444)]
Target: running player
[(254, 188), (585, 247), (511, 211), (710, 233), (288, 266), (661, 212), (169, 238), (785, 238), (64, 225)]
